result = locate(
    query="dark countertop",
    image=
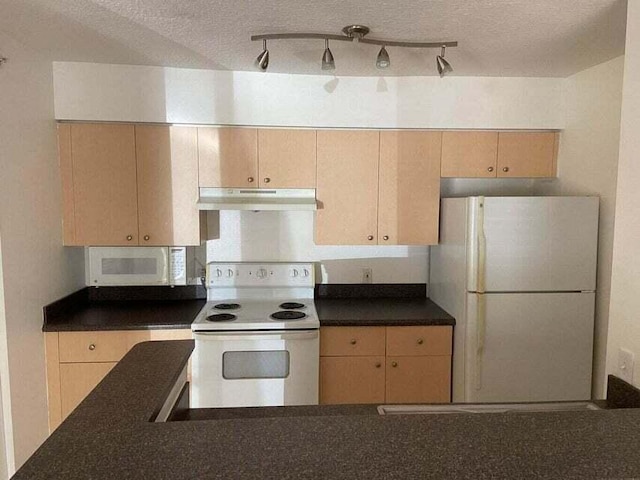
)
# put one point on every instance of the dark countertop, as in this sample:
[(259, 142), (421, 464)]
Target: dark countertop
[(124, 308), (109, 436), (345, 312)]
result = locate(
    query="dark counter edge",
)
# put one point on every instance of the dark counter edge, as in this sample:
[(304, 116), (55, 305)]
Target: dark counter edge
[(141, 382)]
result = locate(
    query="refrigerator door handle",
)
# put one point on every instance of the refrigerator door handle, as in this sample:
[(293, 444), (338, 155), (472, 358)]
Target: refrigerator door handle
[(481, 304)]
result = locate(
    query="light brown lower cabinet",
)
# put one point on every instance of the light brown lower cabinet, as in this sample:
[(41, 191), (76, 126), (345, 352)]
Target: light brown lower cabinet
[(385, 364), (77, 380), (78, 361), (352, 379), (418, 379)]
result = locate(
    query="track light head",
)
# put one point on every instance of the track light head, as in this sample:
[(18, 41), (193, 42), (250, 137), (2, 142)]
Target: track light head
[(328, 63), (442, 65), (383, 60), (263, 59)]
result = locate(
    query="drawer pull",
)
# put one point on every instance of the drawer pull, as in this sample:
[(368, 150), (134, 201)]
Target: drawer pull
[(420, 341), (353, 341), (394, 364), (92, 346), (378, 364)]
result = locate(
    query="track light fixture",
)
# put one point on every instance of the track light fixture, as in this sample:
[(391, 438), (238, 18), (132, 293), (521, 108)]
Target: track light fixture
[(327, 57), (383, 60), (442, 65), (263, 59), (351, 33)]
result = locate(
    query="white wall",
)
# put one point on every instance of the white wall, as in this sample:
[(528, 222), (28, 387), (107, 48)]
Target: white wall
[(588, 165), (288, 237), (86, 91), (36, 268), (624, 313)]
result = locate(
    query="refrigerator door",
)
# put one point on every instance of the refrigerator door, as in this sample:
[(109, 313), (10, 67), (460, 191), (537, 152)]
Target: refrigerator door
[(529, 347), (532, 244)]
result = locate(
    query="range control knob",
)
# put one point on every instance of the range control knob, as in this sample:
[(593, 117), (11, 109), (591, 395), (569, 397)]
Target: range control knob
[(261, 273), (218, 272), (294, 272), (305, 273), (229, 273)]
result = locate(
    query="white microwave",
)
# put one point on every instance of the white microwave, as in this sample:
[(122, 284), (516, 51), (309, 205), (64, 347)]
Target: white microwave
[(137, 266)]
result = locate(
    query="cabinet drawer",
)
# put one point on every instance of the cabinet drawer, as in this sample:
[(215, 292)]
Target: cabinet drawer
[(411, 341), (424, 379), (102, 346), (352, 379), (351, 341)]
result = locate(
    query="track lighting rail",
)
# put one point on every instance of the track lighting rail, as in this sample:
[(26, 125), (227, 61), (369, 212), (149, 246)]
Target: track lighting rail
[(353, 33)]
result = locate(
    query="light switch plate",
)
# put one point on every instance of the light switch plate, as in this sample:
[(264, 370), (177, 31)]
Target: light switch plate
[(625, 365)]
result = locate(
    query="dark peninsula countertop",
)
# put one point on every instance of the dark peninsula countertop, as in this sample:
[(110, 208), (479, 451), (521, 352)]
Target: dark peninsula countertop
[(125, 308), (110, 435), (378, 305)]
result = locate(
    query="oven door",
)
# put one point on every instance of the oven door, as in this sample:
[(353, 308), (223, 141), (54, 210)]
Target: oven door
[(254, 369)]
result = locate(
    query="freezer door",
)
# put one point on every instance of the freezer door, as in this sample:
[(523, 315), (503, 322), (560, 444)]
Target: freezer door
[(533, 244), (529, 347)]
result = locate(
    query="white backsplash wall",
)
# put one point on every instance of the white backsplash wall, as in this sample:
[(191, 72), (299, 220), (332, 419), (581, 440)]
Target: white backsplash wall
[(247, 236)]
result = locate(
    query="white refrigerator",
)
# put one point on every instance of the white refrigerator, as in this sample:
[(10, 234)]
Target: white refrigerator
[(519, 276)]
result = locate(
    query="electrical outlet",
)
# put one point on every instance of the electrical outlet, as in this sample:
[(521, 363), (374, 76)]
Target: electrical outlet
[(625, 365), (367, 275)]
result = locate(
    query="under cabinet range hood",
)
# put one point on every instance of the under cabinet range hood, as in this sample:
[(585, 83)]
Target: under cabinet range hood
[(257, 199)]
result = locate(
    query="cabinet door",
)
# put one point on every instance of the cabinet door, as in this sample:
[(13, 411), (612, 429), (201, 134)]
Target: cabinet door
[(418, 379), (228, 157), (287, 158), (98, 346), (77, 380), (347, 190), (469, 154), (351, 380), (527, 154), (105, 200), (409, 188), (167, 159)]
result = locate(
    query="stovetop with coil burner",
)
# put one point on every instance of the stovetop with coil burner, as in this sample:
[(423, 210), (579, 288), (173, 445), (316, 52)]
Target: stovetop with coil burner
[(251, 296)]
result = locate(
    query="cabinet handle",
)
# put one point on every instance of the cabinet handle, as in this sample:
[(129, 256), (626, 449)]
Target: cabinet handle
[(505, 169), (92, 346), (267, 180), (129, 237), (146, 237), (420, 341), (378, 364), (370, 237), (353, 341), (490, 169), (386, 237), (250, 179), (394, 364)]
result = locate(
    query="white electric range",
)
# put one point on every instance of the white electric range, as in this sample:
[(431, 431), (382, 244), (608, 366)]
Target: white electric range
[(257, 338)]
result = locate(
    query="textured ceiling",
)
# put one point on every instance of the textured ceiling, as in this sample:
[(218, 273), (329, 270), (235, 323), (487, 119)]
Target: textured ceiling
[(546, 38)]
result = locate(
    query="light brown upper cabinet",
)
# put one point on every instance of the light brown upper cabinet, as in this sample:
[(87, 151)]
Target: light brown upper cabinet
[(469, 154), (475, 154), (347, 187), (409, 188), (228, 157), (126, 185), (527, 154), (167, 164), (287, 158), (98, 168), (378, 187), (251, 158)]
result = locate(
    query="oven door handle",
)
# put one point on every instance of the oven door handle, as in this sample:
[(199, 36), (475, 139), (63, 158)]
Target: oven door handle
[(276, 335)]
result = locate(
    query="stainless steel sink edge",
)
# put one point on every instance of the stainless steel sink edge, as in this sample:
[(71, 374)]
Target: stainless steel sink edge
[(476, 408)]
